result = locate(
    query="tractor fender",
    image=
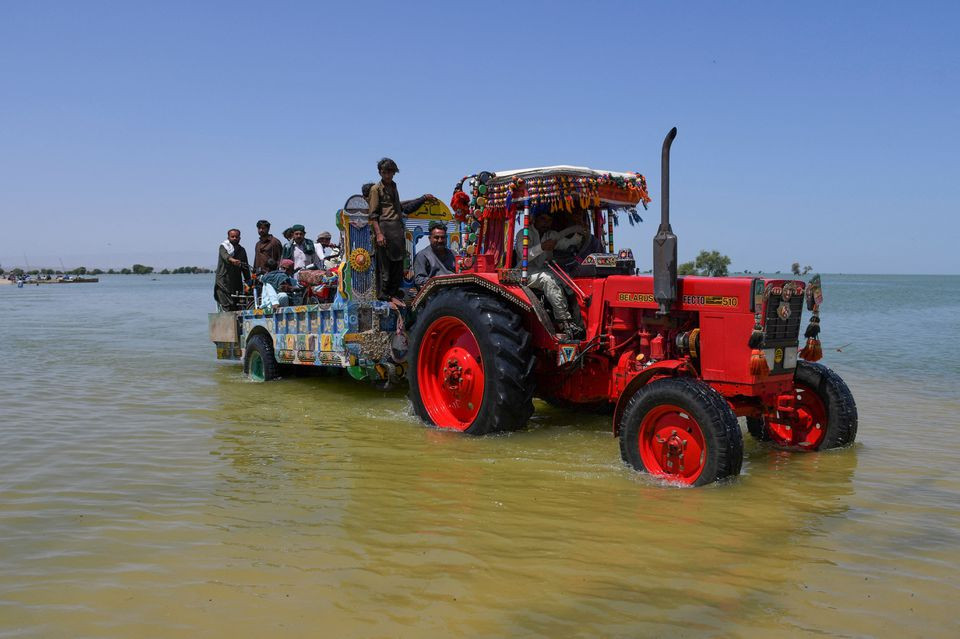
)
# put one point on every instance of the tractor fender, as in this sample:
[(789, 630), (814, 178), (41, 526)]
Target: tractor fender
[(513, 295), (257, 330), (669, 368)]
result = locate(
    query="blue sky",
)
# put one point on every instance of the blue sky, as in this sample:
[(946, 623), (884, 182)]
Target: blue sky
[(825, 133)]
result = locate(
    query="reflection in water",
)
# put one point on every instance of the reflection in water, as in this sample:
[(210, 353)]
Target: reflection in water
[(394, 522), (157, 493)]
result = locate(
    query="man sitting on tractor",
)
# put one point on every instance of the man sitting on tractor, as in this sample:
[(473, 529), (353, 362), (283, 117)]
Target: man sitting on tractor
[(434, 260), (541, 278), (575, 242)]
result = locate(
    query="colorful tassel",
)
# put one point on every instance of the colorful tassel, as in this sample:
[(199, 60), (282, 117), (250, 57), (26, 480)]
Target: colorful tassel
[(812, 352), (813, 328), (758, 363), (460, 203)]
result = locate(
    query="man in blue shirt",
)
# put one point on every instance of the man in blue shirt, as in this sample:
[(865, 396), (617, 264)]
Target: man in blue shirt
[(282, 280)]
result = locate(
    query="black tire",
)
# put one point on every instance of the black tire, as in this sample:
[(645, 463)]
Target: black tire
[(839, 402), (722, 454), (504, 345), (259, 347), (758, 429)]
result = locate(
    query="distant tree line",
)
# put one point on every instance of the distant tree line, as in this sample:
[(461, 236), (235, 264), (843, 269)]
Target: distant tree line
[(714, 264), (192, 270), (136, 269)]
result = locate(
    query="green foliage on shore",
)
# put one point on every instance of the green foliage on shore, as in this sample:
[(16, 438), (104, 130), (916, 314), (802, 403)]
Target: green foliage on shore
[(708, 263), (712, 263), (190, 269)]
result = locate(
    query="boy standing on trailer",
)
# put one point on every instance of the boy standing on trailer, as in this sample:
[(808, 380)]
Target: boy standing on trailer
[(386, 218)]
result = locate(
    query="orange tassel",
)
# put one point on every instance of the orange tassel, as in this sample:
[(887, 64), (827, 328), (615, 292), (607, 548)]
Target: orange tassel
[(758, 364), (812, 352)]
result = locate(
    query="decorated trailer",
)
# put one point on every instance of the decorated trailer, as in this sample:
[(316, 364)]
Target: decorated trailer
[(353, 331)]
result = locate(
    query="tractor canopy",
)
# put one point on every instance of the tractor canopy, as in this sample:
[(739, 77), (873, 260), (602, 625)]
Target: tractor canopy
[(493, 206)]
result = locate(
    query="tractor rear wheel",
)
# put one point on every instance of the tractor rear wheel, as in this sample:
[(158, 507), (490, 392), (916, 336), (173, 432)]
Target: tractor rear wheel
[(259, 363), (826, 414), (681, 430), (470, 365)]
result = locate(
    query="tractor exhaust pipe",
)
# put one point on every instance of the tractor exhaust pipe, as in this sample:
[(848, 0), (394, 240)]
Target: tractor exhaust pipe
[(665, 242)]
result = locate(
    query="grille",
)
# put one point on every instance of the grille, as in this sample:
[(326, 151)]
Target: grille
[(780, 332)]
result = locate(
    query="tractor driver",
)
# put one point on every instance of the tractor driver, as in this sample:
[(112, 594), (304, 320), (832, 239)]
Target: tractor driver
[(541, 278), (575, 242)]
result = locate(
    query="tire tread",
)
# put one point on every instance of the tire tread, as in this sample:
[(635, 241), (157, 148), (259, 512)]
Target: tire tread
[(721, 421), (509, 359)]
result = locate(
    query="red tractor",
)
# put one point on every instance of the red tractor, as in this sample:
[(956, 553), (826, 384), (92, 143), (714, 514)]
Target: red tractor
[(677, 359)]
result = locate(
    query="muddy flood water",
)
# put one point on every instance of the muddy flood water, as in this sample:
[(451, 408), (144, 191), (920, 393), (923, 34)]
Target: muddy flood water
[(147, 490)]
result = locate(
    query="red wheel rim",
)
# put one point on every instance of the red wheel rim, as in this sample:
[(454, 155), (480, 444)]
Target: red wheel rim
[(809, 425), (672, 444), (450, 374)]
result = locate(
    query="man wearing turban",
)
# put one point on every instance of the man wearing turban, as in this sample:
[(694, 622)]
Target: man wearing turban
[(331, 252), (231, 266), (301, 250)]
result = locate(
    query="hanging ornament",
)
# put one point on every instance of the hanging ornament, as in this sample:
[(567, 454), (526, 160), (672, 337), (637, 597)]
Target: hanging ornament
[(813, 351)]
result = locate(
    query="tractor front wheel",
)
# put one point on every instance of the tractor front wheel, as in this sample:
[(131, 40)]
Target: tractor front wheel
[(470, 365), (824, 412), (681, 430)]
